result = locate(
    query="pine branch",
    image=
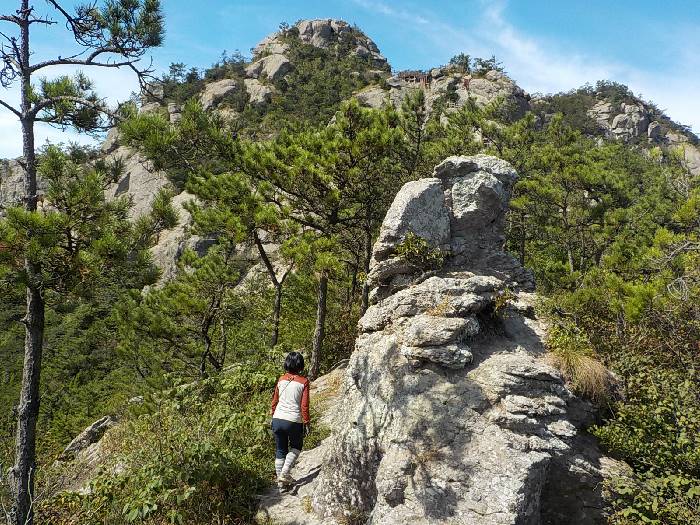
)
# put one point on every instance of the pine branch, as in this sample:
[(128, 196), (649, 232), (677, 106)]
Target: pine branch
[(65, 98)]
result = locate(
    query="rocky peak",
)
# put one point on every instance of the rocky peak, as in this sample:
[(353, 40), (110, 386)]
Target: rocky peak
[(459, 211), (322, 33), (449, 412)]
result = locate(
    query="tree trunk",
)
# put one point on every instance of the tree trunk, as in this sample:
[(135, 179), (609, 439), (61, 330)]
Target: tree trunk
[(365, 285), (277, 283), (28, 410), (320, 331), (570, 257), (277, 312), (522, 239)]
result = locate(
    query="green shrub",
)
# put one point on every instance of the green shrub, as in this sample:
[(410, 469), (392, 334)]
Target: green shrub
[(667, 500), (415, 250), (199, 455)]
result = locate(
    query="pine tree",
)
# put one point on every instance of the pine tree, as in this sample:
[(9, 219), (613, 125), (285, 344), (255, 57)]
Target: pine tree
[(80, 243), (115, 35), (333, 182)]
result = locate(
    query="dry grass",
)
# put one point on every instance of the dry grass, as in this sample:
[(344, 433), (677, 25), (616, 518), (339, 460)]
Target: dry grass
[(325, 393), (306, 504), (428, 455), (571, 352), (587, 376), (353, 517)]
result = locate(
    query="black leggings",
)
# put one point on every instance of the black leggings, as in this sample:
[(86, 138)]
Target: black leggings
[(288, 434)]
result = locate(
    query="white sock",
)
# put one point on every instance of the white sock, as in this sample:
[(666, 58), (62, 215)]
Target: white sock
[(279, 463), (289, 461)]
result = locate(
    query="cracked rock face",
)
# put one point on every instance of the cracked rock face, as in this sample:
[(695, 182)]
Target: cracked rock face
[(449, 413)]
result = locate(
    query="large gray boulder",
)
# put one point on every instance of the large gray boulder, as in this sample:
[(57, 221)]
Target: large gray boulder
[(492, 86), (139, 182), (460, 211), (88, 437), (602, 112), (373, 97), (631, 123), (214, 92), (258, 93), (626, 122), (449, 412), (271, 67), (419, 208)]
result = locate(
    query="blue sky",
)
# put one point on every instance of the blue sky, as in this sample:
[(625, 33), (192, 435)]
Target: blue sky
[(546, 46)]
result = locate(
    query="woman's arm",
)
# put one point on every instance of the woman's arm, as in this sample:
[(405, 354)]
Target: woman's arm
[(305, 404), (275, 399)]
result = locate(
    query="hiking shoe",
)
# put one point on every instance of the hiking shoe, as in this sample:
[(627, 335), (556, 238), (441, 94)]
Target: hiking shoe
[(283, 487), (286, 479)]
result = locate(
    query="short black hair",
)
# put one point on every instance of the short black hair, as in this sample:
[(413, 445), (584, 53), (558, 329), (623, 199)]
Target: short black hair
[(294, 363)]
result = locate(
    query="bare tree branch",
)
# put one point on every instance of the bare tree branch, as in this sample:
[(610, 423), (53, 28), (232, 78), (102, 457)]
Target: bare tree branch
[(8, 106), (10, 18), (87, 62), (70, 21), (45, 21)]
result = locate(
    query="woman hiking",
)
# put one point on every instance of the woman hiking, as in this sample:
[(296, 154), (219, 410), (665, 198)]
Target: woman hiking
[(290, 417)]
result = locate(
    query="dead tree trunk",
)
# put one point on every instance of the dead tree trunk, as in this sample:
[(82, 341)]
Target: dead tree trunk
[(278, 285)]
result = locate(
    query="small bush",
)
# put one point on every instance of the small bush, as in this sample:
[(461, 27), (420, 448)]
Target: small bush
[(415, 250), (668, 500)]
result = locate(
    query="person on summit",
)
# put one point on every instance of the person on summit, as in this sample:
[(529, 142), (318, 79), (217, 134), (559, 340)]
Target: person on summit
[(290, 417)]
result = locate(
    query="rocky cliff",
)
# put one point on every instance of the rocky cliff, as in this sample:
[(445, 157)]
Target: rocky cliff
[(449, 411)]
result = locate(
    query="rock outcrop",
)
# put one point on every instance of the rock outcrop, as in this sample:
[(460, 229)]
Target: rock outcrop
[(258, 93), (11, 184), (630, 121), (214, 92), (324, 33), (450, 413), (271, 67), (635, 121), (483, 89), (88, 438)]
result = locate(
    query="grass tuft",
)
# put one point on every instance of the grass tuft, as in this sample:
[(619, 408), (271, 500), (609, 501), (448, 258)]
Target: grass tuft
[(571, 353)]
